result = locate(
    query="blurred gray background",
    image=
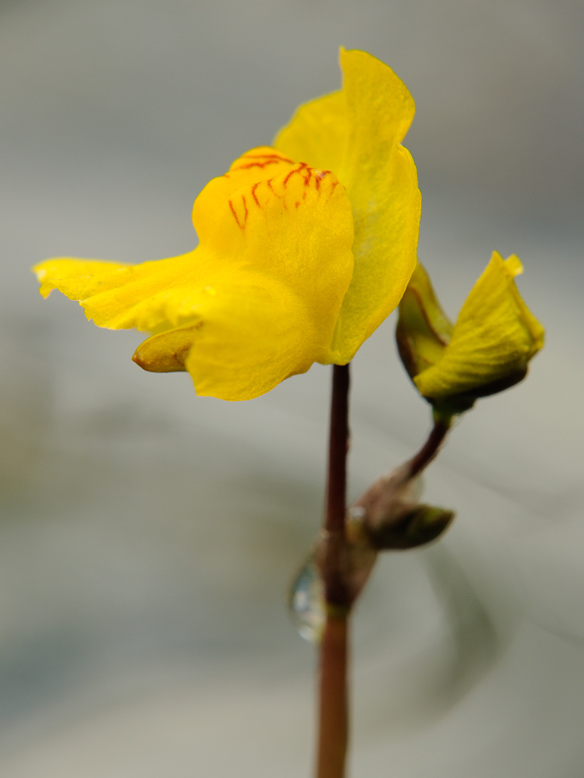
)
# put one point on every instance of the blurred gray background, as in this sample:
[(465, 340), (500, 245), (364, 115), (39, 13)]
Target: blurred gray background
[(147, 537)]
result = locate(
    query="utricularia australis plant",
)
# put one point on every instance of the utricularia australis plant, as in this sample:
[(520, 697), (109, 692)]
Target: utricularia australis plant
[(305, 247)]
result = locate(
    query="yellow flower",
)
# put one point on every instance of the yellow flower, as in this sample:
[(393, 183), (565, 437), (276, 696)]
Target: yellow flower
[(304, 249), (486, 351)]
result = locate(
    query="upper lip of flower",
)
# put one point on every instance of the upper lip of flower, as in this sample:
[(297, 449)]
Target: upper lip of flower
[(357, 133)]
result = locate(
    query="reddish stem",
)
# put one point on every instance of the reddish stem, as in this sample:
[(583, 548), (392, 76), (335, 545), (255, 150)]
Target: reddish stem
[(338, 448), (333, 686), (430, 448), (333, 714)]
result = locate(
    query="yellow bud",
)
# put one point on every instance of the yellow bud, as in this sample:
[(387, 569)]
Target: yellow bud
[(487, 350)]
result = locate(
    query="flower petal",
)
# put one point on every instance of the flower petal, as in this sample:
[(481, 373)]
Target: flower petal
[(253, 337), (287, 220), (151, 296), (494, 337), (65, 271), (360, 129), (242, 345), (318, 132), (249, 337)]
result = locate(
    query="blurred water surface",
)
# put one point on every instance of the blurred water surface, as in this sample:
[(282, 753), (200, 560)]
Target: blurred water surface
[(147, 537)]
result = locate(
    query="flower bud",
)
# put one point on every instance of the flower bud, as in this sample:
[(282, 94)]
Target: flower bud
[(416, 526), (486, 351), (388, 516)]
